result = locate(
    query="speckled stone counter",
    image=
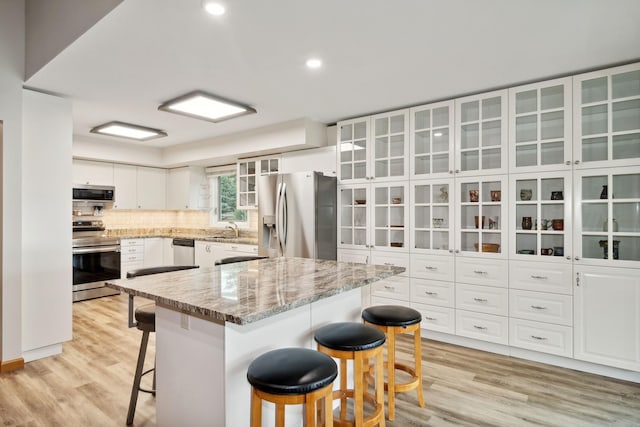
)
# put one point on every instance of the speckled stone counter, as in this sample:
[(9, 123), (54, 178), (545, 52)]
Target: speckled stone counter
[(246, 292), (212, 322)]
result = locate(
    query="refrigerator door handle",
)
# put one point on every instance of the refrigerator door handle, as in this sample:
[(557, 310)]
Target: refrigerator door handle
[(285, 219), (278, 218)]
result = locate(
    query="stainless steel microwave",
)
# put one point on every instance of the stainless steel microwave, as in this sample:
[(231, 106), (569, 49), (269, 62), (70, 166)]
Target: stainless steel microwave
[(93, 193)]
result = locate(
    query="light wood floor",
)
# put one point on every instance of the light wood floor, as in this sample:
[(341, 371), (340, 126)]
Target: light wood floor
[(89, 385)]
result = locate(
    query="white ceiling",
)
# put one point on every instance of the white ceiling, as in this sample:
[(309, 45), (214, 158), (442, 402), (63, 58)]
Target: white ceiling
[(378, 55)]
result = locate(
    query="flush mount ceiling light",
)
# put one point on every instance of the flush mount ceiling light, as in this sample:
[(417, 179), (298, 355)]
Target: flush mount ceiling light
[(127, 130), (201, 105), (314, 63), (214, 8)]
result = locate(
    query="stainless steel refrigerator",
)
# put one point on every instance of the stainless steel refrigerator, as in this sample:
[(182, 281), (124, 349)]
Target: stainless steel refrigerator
[(297, 215)]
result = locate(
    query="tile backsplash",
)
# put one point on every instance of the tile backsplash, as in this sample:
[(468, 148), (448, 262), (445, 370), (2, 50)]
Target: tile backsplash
[(138, 219)]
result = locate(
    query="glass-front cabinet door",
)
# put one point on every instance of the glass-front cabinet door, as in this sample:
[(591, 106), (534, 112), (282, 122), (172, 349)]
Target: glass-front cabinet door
[(353, 216), (540, 212), (481, 134), (540, 126), (607, 117), (390, 161), (432, 216), (352, 150), (390, 216), (607, 230), (431, 140), (481, 216)]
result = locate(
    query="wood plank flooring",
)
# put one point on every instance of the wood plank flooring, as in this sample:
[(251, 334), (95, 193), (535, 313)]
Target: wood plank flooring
[(89, 385)]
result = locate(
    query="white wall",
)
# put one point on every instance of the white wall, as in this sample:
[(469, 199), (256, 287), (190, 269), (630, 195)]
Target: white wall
[(11, 76), (87, 148), (46, 244)]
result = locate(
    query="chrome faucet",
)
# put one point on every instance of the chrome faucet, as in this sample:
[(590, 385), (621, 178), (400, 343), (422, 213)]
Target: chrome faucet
[(232, 225)]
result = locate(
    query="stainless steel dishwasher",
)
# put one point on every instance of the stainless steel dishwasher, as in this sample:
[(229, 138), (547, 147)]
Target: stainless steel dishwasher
[(183, 252)]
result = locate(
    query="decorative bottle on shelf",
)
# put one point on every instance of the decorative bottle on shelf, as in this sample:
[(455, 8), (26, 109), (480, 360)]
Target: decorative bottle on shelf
[(605, 225), (603, 193)]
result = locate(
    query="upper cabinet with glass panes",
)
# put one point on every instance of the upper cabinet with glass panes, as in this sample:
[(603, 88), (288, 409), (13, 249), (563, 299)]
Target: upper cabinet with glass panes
[(247, 179), (374, 148), (607, 117), (481, 134), (540, 126), (431, 140)]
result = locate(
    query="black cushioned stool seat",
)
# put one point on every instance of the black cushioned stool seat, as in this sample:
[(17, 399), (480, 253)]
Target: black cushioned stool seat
[(393, 320), (357, 342), (292, 376)]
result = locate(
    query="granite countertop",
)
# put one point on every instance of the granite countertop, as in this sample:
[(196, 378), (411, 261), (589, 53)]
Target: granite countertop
[(246, 292), (195, 234)]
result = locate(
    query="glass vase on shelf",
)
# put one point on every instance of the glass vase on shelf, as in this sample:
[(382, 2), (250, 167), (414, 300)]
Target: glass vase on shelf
[(603, 193), (605, 225)]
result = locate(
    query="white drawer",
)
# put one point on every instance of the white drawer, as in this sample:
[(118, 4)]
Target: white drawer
[(391, 258), (432, 267), (134, 257), (484, 299), (131, 242), (541, 306), (541, 277), (388, 301), (432, 292), (395, 287), (434, 318), (132, 250), (486, 327), (488, 272), (554, 339), (245, 249)]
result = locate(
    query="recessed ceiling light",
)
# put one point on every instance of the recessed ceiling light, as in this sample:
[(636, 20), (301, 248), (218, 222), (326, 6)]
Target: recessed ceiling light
[(202, 105), (127, 130), (214, 8), (314, 63), (437, 134)]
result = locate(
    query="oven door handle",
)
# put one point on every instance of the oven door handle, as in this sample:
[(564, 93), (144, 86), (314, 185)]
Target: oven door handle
[(95, 249)]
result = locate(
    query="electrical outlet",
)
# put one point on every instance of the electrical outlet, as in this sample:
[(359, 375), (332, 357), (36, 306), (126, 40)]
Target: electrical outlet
[(184, 321)]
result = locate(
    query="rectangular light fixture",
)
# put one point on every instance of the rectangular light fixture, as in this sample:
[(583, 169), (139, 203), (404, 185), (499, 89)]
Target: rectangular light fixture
[(127, 130), (202, 105)]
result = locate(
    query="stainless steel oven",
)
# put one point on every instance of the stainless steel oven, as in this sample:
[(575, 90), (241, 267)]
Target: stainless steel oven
[(96, 259)]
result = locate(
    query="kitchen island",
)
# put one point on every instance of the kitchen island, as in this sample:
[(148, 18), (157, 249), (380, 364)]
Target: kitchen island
[(212, 322)]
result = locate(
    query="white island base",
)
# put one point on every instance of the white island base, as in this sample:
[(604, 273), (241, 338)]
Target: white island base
[(202, 365)]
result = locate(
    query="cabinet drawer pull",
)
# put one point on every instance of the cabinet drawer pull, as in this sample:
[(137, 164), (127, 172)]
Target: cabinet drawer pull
[(482, 328), (538, 338), (538, 307), (430, 318), (430, 293), (480, 299), (480, 272), (534, 276), (388, 263), (430, 268), (389, 288)]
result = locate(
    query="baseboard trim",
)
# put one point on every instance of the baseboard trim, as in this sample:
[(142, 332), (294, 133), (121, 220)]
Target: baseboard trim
[(11, 365)]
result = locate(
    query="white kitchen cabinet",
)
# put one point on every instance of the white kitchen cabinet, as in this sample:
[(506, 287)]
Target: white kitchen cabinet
[(151, 188), (481, 217), (131, 256), (606, 114), (353, 147), (540, 125), (481, 134), (542, 337), (92, 172), (607, 229), (203, 254), (125, 177), (541, 217), (431, 141), (248, 171), (607, 316), (153, 252), (187, 188), (321, 159), (432, 217), (167, 251)]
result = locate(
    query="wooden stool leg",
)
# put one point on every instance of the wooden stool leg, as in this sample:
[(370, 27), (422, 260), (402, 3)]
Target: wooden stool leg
[(380, 385), (358, 388), (310, 411), (279, 415), (328, 410), (256, 409), (343, 386), (417, 345), (391, 371)]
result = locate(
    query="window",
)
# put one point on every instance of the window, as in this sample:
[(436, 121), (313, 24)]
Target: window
[(223, 198)]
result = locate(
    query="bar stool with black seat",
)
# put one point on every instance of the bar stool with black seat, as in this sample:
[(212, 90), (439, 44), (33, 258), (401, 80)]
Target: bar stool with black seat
[(293, 376), (145, 320), (241, 258), (394, 320), (359, 343)]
